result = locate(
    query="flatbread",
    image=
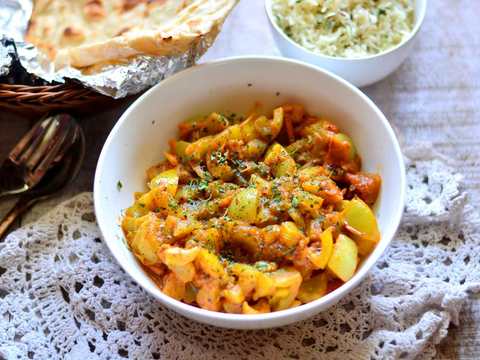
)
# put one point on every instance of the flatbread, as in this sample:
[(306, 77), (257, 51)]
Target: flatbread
[(82, 33)]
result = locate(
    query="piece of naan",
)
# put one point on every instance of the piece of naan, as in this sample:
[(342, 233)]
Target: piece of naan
[(82, 33)]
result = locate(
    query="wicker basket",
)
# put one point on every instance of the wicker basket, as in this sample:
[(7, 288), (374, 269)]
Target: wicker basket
[(36, 100)]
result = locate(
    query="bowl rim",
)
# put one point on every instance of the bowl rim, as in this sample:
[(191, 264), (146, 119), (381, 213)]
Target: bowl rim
[(410, 37), (243, 320)]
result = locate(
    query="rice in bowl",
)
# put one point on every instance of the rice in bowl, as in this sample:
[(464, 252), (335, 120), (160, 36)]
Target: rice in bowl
[(345, 28)]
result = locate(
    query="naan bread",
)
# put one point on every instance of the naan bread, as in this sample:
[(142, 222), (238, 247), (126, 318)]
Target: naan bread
[(82, 33)]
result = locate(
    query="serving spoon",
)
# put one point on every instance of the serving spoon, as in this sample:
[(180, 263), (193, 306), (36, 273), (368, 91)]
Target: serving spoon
[(55, 179)]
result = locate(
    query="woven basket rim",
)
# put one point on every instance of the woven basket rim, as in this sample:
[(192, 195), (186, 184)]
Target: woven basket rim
[(44, 98)]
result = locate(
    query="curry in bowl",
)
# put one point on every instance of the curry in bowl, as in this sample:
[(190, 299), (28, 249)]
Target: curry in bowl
[(257, 214)]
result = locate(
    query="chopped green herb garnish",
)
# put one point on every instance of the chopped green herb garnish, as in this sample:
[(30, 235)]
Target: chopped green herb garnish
[(172, 203), (295, 202), (262, 265), (199, 184), (276, 194), (219, 157)]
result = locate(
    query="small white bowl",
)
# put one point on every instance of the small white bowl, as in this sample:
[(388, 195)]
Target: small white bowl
[(140, 137), (360, 71)]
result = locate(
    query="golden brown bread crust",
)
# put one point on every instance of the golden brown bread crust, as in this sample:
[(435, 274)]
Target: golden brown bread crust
[(82, 33)]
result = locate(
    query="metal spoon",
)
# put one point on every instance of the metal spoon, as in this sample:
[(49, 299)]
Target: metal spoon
[(54, 180), (35, 153)]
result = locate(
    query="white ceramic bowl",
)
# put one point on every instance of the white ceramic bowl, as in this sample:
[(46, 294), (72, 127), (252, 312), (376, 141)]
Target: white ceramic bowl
[(140, 136), (360, 72)]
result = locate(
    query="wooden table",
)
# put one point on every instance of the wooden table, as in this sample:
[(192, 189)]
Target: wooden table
[(434, 96)]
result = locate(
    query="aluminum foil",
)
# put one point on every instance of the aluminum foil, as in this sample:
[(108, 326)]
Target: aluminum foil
[(116, 81)]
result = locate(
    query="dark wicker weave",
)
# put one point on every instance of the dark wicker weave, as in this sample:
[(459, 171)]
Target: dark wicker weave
[(35, 100)]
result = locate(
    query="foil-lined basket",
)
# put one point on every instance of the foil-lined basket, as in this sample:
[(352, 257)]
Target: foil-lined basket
[(21, 64)]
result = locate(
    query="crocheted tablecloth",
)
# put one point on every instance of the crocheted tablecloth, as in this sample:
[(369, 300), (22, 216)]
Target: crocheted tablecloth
[(63, 296)]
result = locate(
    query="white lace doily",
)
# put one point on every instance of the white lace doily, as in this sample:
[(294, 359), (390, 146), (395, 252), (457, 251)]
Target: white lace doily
[(62, 296)]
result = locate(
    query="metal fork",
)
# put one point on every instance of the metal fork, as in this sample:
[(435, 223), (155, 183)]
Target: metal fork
[(35, 153), (56, 178)]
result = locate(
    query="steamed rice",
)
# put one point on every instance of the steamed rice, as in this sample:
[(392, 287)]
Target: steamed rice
[(345, 28)]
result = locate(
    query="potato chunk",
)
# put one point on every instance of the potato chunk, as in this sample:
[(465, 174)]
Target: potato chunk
[(344, 260), (210, 264), (244, 205), (313, 288), (362, 224), (280, 161), (233, 299), (247, 277), (174, 287), (148, 240), (260, 307), (168, 179), (175, 256), (287, 282), (208, 296), (269, 129), (290, 235)]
